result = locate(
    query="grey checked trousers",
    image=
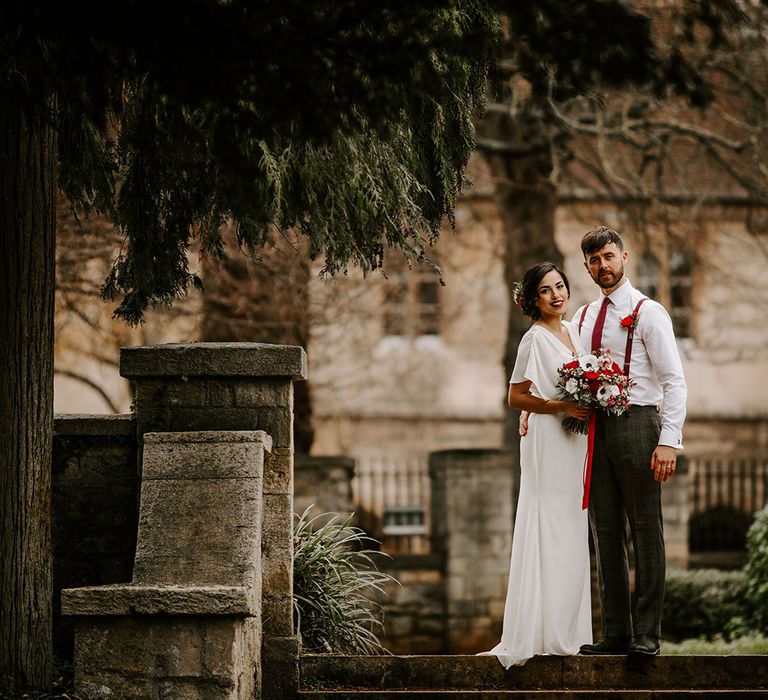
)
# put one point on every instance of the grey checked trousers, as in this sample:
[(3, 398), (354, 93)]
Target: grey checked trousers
[(622, 483)]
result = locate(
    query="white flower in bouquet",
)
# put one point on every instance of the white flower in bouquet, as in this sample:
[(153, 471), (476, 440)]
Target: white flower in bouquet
[(606, 391), (589, 363)]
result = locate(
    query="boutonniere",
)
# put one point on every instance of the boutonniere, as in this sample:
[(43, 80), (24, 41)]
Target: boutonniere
[(630, 321)]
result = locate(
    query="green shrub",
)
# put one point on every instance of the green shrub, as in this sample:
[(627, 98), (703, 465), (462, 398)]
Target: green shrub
[(332, 571), (705, 603), (757, 569)]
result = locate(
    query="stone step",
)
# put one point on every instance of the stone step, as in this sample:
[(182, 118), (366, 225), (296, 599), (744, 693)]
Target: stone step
[(543, 673), (538, 694)]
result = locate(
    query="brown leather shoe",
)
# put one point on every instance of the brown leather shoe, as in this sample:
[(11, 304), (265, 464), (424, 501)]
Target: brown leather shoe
[(607, 645), (645, 645)]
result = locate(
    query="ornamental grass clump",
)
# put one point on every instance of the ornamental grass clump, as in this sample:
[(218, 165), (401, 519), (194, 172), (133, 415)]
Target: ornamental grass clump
[(334, 578)]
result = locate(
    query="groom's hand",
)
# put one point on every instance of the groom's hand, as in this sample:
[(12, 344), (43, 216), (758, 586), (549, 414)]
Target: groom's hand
[(663, 462)]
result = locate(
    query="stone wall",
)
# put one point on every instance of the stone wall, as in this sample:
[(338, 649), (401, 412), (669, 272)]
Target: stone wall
[(96, 502), (474, 494), (95, 507), (222, 387), (414, 612)]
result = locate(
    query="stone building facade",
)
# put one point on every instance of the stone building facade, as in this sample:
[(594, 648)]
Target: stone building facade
[(444, 388), (403, 365)]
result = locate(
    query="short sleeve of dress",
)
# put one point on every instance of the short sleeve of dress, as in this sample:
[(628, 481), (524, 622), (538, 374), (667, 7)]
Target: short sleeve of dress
[(527, 365)]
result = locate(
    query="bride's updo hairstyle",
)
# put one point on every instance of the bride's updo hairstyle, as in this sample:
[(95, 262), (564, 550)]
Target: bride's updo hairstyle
[(527, 293)]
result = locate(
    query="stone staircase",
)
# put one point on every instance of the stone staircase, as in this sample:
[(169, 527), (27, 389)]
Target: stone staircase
[(483, 678)]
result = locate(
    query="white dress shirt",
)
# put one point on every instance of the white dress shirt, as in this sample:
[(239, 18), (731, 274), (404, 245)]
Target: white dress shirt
[(655, 366)]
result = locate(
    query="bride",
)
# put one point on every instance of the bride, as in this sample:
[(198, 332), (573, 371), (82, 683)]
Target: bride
[(548, 609)]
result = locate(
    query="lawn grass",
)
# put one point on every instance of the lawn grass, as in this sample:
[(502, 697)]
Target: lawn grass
[(748, 644)]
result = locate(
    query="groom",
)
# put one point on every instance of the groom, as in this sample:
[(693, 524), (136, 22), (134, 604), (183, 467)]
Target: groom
[(633, 453)]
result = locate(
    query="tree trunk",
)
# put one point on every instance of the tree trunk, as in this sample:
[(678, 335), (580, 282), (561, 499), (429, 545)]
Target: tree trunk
[(528, 201), (27, 258)]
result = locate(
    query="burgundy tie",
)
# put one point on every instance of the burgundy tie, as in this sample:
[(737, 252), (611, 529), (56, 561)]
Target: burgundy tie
[(597, 332)]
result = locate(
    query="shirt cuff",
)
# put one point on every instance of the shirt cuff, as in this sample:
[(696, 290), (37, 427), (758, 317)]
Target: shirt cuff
[(671, 438)]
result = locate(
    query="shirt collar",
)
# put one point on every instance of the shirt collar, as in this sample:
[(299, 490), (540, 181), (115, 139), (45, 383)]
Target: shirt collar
[(620, 296)]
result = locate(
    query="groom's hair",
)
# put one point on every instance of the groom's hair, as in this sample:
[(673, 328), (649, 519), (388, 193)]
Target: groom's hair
[(598, 237)]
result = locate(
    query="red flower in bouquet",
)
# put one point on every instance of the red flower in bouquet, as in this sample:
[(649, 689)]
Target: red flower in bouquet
[(595, 381)]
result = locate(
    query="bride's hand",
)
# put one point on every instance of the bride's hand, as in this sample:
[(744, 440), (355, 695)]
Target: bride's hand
[(523, 427), (577, 411)]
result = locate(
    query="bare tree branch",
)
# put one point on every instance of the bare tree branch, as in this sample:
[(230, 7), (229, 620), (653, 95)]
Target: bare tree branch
[(90, 383)]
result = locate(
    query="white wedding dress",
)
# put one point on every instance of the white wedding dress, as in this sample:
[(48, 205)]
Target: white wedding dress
[(548, 608)]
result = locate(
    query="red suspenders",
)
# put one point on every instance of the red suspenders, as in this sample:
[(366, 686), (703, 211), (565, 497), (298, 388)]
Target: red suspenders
[(630, 333), (630, 337)]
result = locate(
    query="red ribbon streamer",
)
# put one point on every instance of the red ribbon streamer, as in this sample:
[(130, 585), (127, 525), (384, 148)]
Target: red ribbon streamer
[(588, 459)]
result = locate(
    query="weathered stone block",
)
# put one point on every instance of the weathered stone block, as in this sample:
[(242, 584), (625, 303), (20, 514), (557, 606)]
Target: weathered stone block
[(174, 519), (86, 425), (204, 455), (138, 599), (277, 422), (186, 689), (280, 668), (178, 391), (106, 685), (278, 471), (277, 544), (277, 615), (214, 359), (263, 392), (201, 418), (144, 657)]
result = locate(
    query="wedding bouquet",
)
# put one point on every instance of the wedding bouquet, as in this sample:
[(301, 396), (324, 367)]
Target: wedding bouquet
[(595, 381)]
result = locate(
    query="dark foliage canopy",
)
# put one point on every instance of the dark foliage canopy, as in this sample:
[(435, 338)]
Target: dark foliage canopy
[(348, 120)]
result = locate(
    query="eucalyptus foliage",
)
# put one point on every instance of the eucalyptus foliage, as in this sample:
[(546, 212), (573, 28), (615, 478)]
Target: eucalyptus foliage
[(334, 577)]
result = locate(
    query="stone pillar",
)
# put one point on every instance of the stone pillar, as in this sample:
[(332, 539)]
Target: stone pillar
[(674, 504), (236, 386), (474, 494), (325, 484), (189, 624)]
